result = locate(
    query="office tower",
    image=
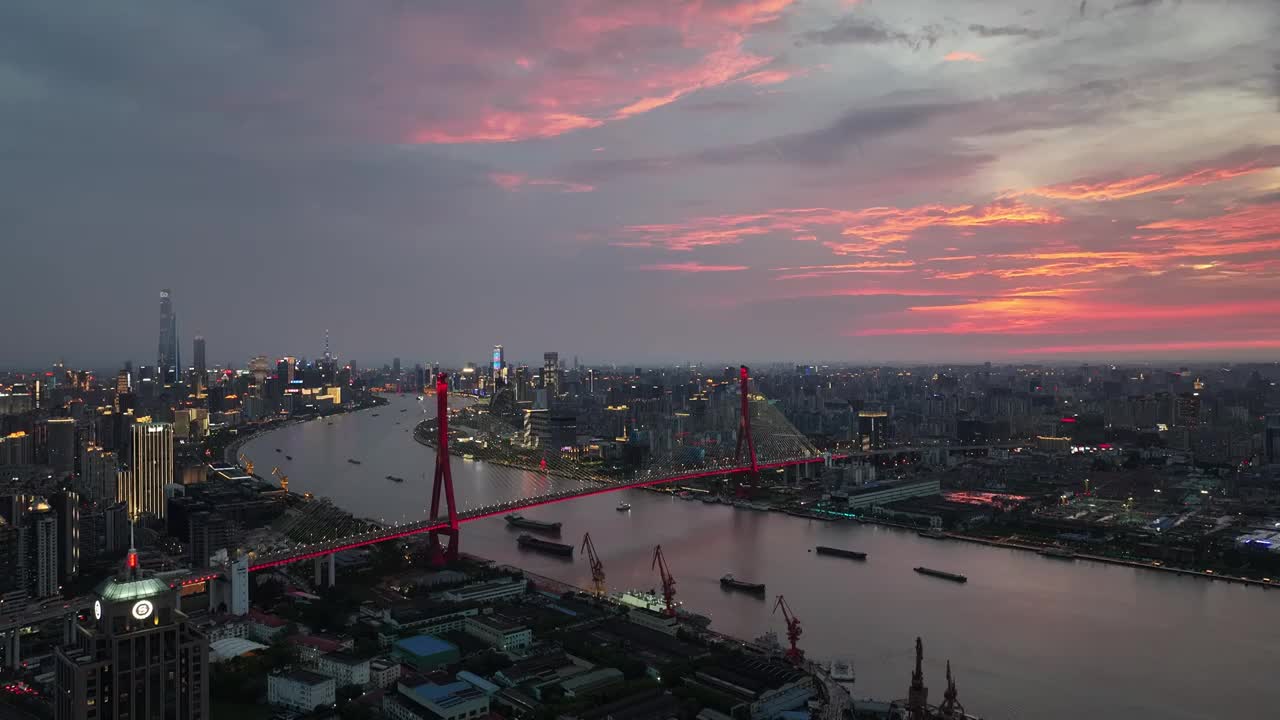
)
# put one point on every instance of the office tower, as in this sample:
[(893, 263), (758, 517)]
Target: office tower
[(285, 369), (38, 549), (499, 362), (522, 388), (395, 368), (124, 383), (104, 529), (551, 372), (167, 362), (60, 444), (198, 356), (148, 468), (871, 429), (1271, 440), (135, 656)]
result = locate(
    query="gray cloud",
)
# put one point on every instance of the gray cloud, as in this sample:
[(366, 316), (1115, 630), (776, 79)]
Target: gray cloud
[(857, 30), (992, 31)]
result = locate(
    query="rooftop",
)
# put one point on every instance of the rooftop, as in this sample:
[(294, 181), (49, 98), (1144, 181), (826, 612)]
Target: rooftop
[(425, 645), (445, 696), (116, 590), (306, 677)]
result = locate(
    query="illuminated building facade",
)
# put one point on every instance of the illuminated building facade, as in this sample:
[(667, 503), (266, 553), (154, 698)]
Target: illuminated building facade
[(148, 469)]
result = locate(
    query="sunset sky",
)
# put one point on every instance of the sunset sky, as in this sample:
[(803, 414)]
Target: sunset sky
[(652, 180)]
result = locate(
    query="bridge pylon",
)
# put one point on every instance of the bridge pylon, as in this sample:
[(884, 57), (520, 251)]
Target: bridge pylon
[(443, 484), (745, 437)]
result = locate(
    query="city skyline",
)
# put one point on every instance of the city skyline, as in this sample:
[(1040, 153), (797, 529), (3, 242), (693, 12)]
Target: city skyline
[(870, 182)]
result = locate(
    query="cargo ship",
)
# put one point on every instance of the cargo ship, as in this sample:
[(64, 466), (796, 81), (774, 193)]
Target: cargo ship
[(394, 478), (1061, 553), (521, 521), (729, 582), (546, 546), (841, 552), (353, 461), (942, 574)]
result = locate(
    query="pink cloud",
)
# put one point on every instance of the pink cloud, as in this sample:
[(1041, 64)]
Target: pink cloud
[(963, 56), (692, 267), (514, 182)]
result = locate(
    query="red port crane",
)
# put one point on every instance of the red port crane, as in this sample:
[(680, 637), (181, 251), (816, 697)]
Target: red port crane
[(668, 582), (597, 567), (794, 653)]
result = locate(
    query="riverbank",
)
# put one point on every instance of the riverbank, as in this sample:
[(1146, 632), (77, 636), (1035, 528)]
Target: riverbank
[(231, 454)]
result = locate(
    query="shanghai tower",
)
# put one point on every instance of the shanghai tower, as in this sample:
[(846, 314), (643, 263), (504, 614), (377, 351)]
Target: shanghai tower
[(168, 366)]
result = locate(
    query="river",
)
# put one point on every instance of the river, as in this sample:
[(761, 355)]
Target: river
[(1029, 637)]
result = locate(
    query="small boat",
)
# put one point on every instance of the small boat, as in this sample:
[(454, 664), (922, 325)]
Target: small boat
[(393, 478), (288, 457), (729, 582), (711, 499), (404, 409), (840, 552), (552, 548), (624, 506), (329, 423), (1057, 552), (374, 415), (932, 534), (520, 521), (277, 449), (353, 461), (468, 456), (942, 574), (842, 671)]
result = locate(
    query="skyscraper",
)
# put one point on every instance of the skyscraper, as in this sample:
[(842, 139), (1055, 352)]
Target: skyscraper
[(136, 657), (197, 355), (148, 469), (167, 361), (551, 372), (499, 362), (60, 444)]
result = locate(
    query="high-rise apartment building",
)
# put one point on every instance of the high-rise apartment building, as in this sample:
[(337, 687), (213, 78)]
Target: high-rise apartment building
[(148, 468), (38, 549), (135, 656), (198, 357), (167, 362), (97, 473)]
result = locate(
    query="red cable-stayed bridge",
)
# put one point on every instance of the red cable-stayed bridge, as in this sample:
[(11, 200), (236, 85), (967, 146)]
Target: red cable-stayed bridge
[(764, 441)]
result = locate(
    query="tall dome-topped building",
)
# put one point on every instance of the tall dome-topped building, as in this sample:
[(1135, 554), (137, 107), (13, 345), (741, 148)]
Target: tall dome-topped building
[(135, 656)]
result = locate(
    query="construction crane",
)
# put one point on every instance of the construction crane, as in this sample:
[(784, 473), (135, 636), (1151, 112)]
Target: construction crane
[(247, 463), (794, 653), (668, 582), (284, 479), (597, 567)]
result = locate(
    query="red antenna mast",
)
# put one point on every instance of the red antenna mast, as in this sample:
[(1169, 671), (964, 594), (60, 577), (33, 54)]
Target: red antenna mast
[(597, 567), (794, 653), (668, 582)]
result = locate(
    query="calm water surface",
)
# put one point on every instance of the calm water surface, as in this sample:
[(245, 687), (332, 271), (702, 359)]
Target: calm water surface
[(1029, 637)]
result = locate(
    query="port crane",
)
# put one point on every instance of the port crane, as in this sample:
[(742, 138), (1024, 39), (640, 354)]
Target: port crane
[(668, 582), (597, 567), (247, 463), (284, 479), (794, 653)]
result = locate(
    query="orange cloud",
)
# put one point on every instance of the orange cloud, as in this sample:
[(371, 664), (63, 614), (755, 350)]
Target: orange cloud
[(1253, 229), (874, 228), (872, 267), (499, 126), (693, 267), (513, 182), (1141, 185), (963, 56)]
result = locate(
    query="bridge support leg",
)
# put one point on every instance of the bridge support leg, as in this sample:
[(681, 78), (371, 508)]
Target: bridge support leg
[(333, 570), (316, 562), (745, 437), (12, 648), (443, 484)]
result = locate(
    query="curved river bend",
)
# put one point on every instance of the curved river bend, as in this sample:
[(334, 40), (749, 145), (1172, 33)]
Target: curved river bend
[(1029, 637)]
